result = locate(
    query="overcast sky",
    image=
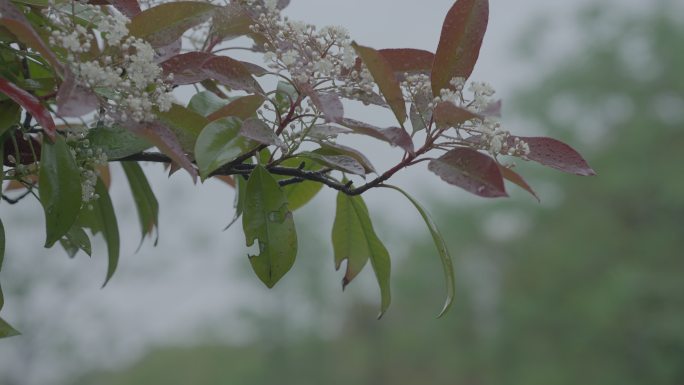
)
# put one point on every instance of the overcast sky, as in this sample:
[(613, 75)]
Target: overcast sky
[(177, 289)]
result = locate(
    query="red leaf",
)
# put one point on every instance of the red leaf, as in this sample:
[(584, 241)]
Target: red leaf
[(409, 60), (73, 100), (555, 154), (30, 104), (330, 105), (231, 73), (260, 132), (471, 170), (186, 67), (459, 44), (243, 107), (166, 141), (515, 178), (384, 77), (448, 114), (396, 136), (15, 21), (130, 8)]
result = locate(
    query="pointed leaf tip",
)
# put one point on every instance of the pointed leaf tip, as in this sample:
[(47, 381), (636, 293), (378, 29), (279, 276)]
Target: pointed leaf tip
[(555, 154), (471, 170)]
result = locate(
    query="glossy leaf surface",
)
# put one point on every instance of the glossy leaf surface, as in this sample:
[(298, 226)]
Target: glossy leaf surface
[(518, 180), (31, 104), (143, 196), (243, 107), (59, 188), (342, 163), (6, 330), (268, 222), (299, 194), (185, 123), (116, 142), (205, 103), (459, 43), (231, 73), (260, 132), (556, 154), (76, 239), (396, 136), (218, 143), (448, 114), (165, 23), (471, 170)]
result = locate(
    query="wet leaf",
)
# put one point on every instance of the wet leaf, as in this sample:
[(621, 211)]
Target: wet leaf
[(116, 142), (460, 41), (145, 201), (448, 114), (445, 257), (517, 179), (338, 149), (130, 8), (383, 75), (30, 104), (165, 23), (420, 112), (260, 132), (408, 60), (76, 239), (186, 67), (329, 104), (555, 154), (185, 123), (299, 194), (6, 330), (219, 143), (239, 201), (355, 241), (206, 102), (59, 189), (243, 107), (230, 21), (396, 136), (342, 163), (10, 112), (326, 131), (231, 73), (471, 170), (73, 100), (2, 248), (268, 221)]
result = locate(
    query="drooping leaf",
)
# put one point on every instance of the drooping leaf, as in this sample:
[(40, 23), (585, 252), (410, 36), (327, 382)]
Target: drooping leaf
[(260, 132), (2, 246), (15, 21), (460, 41), (74, 100), (448, 114), (396, 136), (165, 140), (99, 217), (186, 67), (205, 103), (383, 75), (445, 257), (517, 179), (185, 123), (471, 170), (352, 216), (328, 148), (299, 194), (116, 142), (59, 188), (243, 107), (555, 154), (31, 104), (163, 24), (6, 330), (219, 143), (239, 201), (76, 239), (268, 221), (231, 73), (10, 112), (143, 196), (343, 163)]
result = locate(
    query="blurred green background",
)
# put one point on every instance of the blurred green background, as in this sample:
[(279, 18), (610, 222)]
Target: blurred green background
[(585, 288)]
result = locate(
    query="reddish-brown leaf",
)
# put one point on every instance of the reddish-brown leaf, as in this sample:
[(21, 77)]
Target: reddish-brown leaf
[(396, 136), (129, 8), (259, 131), (471, 170), (329, 104), (555, 154), (31, 104), (15, 21), (459, 44), (165, 23), (383, 74), (517, 179), (186, 67), (243, 107), (403, 60), (231, 73), (447, 114), (74, 100)]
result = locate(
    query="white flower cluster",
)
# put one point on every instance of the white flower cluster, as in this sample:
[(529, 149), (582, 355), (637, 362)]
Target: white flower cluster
[(310, 55), (126, 75), (89, 159)]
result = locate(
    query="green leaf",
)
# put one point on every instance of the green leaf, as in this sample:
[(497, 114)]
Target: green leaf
[(219, 143), (268, 221), (243, 107), (116, 142), (10, 112), (165, 23), (59, 188), (459, 43), (206, 102), (383, 75), (239, 202), (6, 330), (101, 218), (2, 244), (445, 257), (185, 123), (299, 194), (354, 239), (76, 239), (143, 196)]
